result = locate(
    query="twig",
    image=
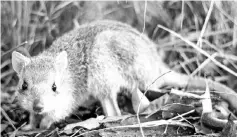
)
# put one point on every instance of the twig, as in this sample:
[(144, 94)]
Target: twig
[(143, 30), (3, 75), (182, 15), (205, 24), (200, 50), (144, 19), (184, 114), (138, 110), (203, 64), (193, 37), (14, 48), (185, 94), (8, 119), (227, 15), (5, 63)]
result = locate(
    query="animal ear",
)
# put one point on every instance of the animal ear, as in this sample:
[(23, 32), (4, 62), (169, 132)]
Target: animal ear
[(61, 61), (19, 61)]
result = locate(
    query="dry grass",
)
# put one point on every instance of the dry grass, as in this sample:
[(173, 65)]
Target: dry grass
[(30, 27)]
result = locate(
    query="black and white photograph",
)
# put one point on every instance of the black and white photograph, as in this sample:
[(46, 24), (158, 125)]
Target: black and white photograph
[(118, 68)]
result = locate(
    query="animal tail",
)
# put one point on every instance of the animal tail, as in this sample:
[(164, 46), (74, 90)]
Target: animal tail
[(185, 81)]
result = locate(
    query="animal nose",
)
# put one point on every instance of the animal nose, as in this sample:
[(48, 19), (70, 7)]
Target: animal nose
[(37, 106)]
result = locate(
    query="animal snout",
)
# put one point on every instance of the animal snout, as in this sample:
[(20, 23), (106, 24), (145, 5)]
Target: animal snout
[(37, 106)]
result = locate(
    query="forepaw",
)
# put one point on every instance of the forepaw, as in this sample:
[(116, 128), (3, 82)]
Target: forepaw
[(46, 123)]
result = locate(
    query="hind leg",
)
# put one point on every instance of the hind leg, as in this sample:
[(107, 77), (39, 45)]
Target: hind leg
[(110, 105)]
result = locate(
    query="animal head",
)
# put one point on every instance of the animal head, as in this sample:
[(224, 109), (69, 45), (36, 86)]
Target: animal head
[(43, 83)]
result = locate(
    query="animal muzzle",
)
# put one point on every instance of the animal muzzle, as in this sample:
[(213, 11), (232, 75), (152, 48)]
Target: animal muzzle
[(37, 106)]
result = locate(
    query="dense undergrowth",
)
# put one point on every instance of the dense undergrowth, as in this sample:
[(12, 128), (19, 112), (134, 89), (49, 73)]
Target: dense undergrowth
[(31, 26)]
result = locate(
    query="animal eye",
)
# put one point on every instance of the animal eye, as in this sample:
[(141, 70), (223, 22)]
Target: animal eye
[(54, 87), (24, 86)]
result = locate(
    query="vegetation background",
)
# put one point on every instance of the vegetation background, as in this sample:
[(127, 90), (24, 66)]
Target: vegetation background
[(31, 26)]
